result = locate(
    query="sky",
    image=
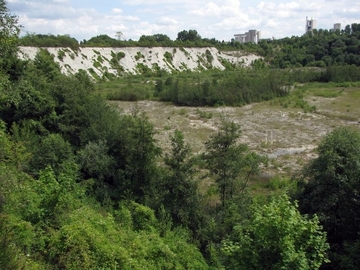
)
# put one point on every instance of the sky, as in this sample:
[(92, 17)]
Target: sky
[(219, 19)]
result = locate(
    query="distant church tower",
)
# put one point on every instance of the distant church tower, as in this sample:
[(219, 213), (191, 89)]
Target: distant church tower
[(310, 25)]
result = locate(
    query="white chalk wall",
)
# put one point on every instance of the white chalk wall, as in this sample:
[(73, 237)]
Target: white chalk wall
[(182, 58)]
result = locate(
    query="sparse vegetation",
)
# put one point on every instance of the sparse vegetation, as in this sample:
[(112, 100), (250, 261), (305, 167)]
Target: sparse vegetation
[(138, 56), (61, 55), (168, 56), (204, 114), (94, 74)]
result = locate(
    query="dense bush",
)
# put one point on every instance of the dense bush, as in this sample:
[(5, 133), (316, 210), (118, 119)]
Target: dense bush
[(233, 89), (39, 40)]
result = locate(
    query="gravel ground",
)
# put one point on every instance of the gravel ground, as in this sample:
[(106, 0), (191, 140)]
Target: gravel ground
[(289, 137)]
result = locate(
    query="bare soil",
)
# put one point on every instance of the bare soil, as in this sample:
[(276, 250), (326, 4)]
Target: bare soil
[(288, 136)]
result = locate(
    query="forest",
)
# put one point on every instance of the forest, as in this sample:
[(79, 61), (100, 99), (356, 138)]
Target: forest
[(85, 186)]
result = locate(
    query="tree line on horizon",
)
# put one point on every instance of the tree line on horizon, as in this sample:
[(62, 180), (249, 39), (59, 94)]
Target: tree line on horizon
[(320, 48)]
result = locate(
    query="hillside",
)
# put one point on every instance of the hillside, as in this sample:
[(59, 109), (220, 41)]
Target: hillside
[(134, 60)]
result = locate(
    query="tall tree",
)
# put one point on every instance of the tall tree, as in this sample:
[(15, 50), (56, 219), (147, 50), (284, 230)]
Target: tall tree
[(191, 35), (182, 198), (9, 33), (136, 156), (231, 163), (330, 188)]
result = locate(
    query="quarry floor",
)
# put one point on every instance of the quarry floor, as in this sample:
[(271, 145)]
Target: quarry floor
[(288, 136)]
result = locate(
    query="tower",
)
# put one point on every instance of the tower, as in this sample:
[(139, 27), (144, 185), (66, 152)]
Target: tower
[(310, 25), (119, 34), (337, 26)]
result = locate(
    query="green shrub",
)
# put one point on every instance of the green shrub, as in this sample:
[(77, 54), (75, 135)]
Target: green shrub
[(138, 56), (61, 55), (168, 56)]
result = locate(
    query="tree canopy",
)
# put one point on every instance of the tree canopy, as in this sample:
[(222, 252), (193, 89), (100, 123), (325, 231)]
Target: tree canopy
[(330, 189)]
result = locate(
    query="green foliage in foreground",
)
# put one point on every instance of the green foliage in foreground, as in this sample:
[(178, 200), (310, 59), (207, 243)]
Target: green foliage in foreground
[(330, 189), (276, 236), (48, 223)]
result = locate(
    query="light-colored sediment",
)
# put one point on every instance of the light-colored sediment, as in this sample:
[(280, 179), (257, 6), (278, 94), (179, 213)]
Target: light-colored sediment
[(152, 57)]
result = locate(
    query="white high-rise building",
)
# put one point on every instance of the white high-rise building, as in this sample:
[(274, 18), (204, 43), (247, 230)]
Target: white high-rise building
[(337, 26), (250, 36), (310, 25)]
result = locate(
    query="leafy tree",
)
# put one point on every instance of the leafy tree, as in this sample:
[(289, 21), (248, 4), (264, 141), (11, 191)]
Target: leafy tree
[(231, 163), (182, 198), (161, 38), (23, 103), (45, 64), (95, 160), (277, 236), (136, 155), (155, 40), (330, 188), (9, 32), (102, 41), (73, 96), (191, 35), (53, 151), (39, 40)]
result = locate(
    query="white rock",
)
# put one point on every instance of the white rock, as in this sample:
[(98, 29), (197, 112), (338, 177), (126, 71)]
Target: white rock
[(182, 58)]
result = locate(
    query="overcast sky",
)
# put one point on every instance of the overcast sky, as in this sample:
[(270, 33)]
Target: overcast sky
[(220, 19)]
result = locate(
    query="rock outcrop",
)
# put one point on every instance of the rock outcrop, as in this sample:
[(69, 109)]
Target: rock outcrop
[(100, 62)]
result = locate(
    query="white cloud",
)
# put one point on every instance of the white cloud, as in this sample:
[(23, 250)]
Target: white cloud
[(227, 8), (116, 10), (220, 19), (166, 21), (154, 2)]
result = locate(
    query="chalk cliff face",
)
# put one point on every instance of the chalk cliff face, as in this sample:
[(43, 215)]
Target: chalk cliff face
[(134, 60)]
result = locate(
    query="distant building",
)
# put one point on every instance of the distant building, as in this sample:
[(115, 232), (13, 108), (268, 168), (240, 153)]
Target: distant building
[(337, 26), (310, 25), (250, 36)]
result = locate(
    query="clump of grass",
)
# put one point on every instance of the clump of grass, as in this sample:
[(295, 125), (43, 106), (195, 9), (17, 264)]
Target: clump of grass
[(295, 100), (94, 74), (97, 65), (182, 111), (209, 56), (168, 56), (138, 56), (100, 59), (204, 114), (328, 93), (61, 55)]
